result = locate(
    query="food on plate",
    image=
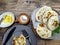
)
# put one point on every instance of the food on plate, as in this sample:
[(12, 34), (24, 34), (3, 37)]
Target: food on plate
[(23, 18), (38, 18), (48, 15), (7, 19), (41, 12), (21, 40), (43, 32), (46, 21), (53, 23)]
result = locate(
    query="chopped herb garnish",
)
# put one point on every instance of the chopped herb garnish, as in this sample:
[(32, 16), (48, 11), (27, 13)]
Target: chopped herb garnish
[(57, 30)]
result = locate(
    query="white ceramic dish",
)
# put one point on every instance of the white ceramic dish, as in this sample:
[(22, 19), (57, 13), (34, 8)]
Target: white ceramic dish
[(3, 25)]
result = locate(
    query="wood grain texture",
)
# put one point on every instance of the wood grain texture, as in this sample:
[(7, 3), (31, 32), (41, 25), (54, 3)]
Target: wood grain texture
[(53, 42), (41, 42), (28, 6)]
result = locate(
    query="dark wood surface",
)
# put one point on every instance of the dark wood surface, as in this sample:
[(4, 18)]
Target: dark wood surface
[(27, 7)]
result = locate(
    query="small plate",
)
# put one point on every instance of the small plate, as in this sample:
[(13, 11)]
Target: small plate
[(17, 32), (3, 25)]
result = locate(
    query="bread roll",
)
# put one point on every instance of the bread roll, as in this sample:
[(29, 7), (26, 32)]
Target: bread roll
[(41, 12), (43, 32), (21, 40), (53, 23), (48, 15)]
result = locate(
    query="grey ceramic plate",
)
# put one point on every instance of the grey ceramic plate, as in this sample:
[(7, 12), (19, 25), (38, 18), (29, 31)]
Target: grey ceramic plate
[(17, 32), (35, 23)]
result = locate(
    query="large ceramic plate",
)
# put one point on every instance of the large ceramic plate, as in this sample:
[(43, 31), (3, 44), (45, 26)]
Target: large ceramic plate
[(35, 23), (17, 32)]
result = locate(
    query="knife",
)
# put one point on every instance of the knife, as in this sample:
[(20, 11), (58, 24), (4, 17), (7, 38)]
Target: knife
[(9, 35), (26, 35)]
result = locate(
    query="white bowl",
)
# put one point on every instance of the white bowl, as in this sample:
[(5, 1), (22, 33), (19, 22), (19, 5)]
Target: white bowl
[(3, 25)]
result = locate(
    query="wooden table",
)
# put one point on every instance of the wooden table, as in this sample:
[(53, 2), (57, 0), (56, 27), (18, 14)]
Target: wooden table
[(28, 7)]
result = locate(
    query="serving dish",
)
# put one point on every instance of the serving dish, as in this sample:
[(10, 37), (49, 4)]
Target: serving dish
[(35, 23)]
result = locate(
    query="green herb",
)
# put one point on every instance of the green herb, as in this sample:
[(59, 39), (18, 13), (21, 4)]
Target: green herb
[(57, 30)]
